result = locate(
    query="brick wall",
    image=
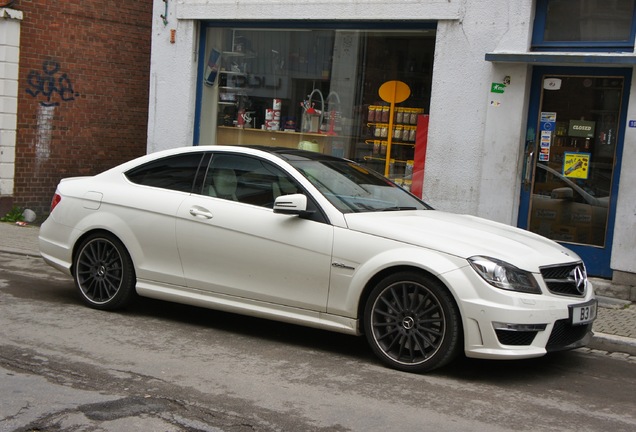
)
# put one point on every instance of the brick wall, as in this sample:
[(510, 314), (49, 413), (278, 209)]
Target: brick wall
[(83, 91)]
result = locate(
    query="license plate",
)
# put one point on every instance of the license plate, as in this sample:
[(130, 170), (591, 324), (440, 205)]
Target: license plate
[(583, 313)]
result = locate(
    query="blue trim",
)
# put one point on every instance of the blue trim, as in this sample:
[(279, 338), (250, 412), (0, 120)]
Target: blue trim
[(562, 59), (196, 135), (596, 259), (538, 31)]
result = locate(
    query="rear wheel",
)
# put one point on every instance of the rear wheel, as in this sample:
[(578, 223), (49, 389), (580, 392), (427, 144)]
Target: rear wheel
[(104, 272), (412, 323)]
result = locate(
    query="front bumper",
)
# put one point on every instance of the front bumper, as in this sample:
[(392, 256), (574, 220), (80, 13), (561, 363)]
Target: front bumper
[(501, 324)]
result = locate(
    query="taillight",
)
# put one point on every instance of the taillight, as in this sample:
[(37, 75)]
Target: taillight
[(55, 201)]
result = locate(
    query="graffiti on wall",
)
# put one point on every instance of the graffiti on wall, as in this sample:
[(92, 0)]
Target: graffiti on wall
[(50, 83)]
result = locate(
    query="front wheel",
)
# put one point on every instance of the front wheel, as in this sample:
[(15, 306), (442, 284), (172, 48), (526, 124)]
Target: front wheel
[(104, 272), (412, 323)]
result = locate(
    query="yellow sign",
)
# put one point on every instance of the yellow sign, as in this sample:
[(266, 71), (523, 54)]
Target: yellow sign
[(576, 165), (394, 91)]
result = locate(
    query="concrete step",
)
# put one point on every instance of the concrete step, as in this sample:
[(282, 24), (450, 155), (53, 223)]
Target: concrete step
[(607, 288)]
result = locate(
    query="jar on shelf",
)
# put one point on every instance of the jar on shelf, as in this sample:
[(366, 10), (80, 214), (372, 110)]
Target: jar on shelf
[(371, 114), (385, 114)]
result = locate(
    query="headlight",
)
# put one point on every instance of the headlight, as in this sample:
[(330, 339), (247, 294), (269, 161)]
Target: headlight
[(503, 275)]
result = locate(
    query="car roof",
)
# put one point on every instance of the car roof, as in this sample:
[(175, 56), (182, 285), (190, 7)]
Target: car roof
[(283, 153)]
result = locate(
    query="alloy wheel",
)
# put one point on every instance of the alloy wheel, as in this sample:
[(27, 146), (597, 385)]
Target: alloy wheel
[(99, 271), (408, 323)]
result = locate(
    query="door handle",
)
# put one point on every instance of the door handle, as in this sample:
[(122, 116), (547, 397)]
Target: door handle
[(200, 212), (528, 166)]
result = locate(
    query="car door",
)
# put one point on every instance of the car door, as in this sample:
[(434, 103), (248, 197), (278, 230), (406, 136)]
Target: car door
[(231, 242), (149, 206)]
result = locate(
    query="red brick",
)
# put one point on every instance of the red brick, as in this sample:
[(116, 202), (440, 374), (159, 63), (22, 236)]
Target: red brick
[(104, 53)]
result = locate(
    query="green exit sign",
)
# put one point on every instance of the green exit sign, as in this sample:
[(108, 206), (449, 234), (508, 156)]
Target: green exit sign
[(497, 88)]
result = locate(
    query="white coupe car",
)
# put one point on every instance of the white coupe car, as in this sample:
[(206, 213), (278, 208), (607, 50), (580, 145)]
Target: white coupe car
[(319, 241)]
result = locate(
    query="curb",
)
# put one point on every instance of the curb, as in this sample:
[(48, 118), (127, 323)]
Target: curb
[(613, 290), (612, 303), (613, 343)]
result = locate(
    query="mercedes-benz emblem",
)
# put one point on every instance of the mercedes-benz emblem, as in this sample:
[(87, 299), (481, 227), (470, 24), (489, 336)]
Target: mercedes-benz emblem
[(579, 279), (408, 323)]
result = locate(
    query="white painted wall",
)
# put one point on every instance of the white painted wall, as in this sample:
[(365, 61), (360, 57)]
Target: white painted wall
[(624, 248), (173, 77), (319, 9), (9, 58), (476, 137)]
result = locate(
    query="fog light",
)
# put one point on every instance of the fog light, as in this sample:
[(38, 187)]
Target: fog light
[(519, 327)]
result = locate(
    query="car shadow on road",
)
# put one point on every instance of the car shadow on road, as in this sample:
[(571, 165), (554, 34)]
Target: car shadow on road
[(253, 327), (356, 348)]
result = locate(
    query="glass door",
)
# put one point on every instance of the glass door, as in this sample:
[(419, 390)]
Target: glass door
[(575, 136)]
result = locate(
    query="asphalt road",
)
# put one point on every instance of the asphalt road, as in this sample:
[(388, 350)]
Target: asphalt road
[(165, 367)]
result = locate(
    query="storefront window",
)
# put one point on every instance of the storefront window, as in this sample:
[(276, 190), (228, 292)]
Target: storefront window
[(317, 89), (584, 25)]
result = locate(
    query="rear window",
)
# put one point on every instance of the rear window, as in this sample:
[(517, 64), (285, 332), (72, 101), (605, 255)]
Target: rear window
[(173, 172)]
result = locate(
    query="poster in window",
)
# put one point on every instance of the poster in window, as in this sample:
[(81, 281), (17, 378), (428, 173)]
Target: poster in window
[(576, 165)]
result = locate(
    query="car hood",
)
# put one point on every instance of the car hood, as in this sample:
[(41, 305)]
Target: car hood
[(463, 236)]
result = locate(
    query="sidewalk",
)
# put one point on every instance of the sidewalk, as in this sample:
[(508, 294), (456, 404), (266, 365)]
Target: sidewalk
[(614, 328)]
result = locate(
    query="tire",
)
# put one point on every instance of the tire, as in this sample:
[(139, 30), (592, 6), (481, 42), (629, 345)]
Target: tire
[(104, 273), (412, 323)]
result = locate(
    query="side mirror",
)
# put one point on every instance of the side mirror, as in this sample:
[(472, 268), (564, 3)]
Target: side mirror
[(294, 204), (564, 193)]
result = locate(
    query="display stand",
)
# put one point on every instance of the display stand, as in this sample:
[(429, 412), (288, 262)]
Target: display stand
[(392, 92)]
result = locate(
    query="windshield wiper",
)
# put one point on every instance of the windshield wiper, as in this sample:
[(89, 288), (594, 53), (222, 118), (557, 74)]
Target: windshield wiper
[(398, 208)]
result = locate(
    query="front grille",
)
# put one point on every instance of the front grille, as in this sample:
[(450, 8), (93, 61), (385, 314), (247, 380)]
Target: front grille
[(517, 338), (566, 336), (567, 280)]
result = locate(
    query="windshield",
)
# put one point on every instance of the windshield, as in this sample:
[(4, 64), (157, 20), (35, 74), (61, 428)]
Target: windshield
[(353, 188)]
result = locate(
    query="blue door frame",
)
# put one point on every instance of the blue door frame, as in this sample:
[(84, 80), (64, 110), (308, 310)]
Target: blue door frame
[(597, 259)]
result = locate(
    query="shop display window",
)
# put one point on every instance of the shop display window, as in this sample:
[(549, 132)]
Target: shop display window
[(317, 89), (584, 25)]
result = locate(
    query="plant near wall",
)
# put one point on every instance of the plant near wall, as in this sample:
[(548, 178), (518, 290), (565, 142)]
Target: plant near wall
[(14, 215)]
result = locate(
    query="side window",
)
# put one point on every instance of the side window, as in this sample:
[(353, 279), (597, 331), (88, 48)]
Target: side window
[(247, 180), (254, 181), (172, 172)]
